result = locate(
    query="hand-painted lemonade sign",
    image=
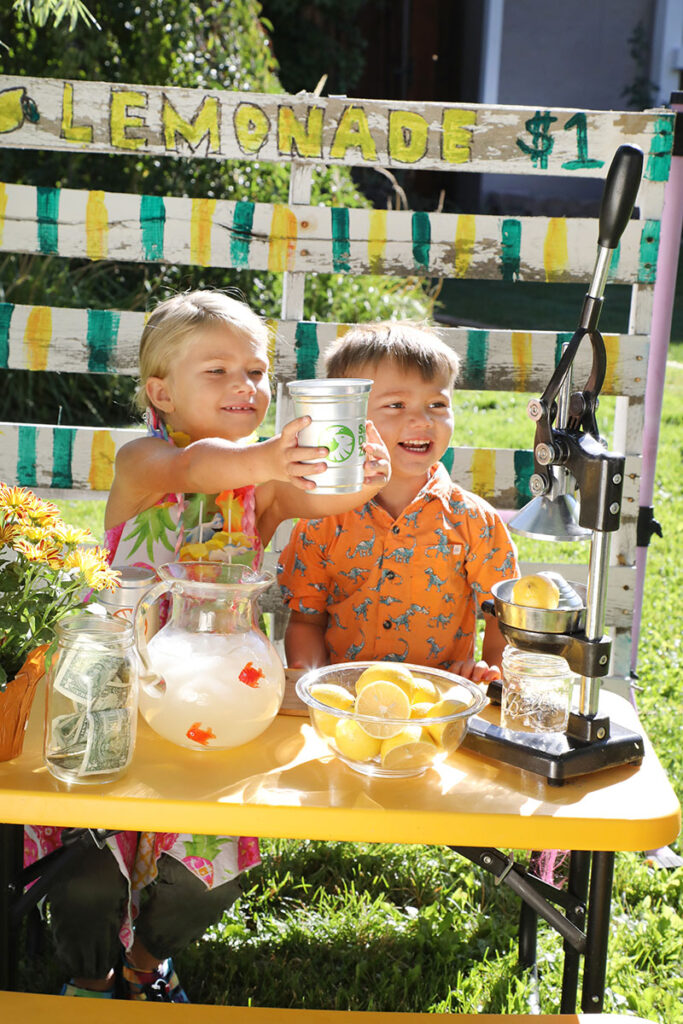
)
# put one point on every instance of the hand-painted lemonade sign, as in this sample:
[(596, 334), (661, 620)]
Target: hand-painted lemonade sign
[(105, 117)]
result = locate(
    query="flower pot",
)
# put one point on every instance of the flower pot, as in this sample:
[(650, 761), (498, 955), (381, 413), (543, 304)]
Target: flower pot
[(16, 701)]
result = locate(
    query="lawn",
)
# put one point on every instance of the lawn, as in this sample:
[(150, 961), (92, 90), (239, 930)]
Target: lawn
[(363, 926)]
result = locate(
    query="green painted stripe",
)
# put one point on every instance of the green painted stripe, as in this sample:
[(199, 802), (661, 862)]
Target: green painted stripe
[(47, 207), (341, 250), (510, 246), (649, 247), (474, 370), (448, 458), (240, 239), (6, 310), (563, 338), (421, 230), (152, 225), (103, 329), (307, 350), (658, 165), (614, 263), (524, 467), (26, 457), (62, 450)]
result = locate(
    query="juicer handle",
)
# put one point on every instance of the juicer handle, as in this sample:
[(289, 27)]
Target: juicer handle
[(149, 680), (619, 196)]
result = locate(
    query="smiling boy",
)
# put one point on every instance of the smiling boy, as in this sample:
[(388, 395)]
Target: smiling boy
[(398, 579)]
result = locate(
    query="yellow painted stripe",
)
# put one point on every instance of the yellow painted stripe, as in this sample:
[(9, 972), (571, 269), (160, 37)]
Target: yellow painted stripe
[(96, 227), (102, 454), (282, 246), (3, 205), (464, 243), (271, 327), (37, 337), (377, 240), (483, 472), (555, 255), (200, 231), (612, 382), (521, 358), (342, 329)]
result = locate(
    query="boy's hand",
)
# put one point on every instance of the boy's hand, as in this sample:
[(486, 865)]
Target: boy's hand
[(377, 459), (477, 671), (287, 458)]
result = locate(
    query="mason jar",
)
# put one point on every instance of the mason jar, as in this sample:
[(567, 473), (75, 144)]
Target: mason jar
[(92, 700), (537, 691)]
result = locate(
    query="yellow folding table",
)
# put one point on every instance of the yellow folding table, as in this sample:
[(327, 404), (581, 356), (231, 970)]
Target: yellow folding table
[(285, 784)]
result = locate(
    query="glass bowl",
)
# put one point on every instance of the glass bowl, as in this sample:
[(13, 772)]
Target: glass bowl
[(391, 747)]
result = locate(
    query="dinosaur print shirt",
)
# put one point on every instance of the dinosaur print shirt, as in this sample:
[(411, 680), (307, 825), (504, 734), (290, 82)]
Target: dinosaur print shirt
[(404, 589)]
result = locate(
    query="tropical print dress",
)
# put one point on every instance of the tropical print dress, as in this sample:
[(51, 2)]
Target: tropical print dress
[(180, 527)]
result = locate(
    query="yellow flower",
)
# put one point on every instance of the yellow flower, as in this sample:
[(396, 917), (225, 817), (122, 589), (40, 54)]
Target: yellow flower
[(92, 564), (18, 498), (73, 534), (8, 531), (33, 552)]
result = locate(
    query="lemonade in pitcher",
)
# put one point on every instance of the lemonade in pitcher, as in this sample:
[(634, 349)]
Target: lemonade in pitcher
[(212, 679)]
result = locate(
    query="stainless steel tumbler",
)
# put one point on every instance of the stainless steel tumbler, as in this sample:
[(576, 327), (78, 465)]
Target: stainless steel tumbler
[(338, 409), (122, 602)]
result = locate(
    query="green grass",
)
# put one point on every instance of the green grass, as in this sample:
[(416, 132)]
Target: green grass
[(416, 928)]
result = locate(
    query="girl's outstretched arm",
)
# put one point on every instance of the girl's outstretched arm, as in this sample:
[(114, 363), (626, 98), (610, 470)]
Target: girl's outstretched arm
[(278, 501), (148, 468)]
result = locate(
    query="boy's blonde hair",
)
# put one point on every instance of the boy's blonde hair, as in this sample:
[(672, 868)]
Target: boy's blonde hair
[(409, 345), (174, 320)]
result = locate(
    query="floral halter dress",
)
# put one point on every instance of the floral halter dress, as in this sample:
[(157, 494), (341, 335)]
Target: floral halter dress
[(179, 527)]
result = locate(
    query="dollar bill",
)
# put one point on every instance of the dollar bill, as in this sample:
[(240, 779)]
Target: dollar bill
[(82, 673), (69, 733), (109, 741), (115, 693)]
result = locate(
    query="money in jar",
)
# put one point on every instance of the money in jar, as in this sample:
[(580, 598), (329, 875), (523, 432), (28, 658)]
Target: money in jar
[(122, 601), (92, 700)]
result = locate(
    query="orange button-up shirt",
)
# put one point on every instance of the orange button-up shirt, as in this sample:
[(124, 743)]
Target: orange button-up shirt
[(404, 589)]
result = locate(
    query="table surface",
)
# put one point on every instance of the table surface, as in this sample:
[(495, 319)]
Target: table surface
[(285, 784)]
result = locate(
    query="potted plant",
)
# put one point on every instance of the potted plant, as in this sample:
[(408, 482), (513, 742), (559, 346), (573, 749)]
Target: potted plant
[(46, 572)]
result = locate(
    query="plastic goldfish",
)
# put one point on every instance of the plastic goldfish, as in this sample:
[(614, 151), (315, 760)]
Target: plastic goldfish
[(200, 735)]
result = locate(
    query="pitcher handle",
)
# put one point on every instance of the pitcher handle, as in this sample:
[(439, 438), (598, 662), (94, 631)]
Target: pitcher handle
[(149, 680)]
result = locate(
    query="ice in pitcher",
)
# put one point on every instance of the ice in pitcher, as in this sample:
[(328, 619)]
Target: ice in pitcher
[(217, 691)]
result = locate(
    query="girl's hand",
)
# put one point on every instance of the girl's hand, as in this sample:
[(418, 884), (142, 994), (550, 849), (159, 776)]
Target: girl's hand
[(477, 671), (377, 459), (289, 458)]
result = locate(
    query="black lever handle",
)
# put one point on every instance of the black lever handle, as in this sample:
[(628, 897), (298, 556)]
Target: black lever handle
[(619, 196)]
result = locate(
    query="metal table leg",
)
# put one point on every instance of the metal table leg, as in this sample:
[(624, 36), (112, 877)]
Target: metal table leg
[(577, 885), (11, 860), (597, 932)]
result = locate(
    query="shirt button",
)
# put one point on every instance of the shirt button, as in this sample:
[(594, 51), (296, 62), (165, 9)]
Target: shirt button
[(395, 529), (391, 574), (387, 624)]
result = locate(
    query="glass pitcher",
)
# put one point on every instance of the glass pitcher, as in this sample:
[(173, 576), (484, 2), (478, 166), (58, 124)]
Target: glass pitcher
[(210, 678)]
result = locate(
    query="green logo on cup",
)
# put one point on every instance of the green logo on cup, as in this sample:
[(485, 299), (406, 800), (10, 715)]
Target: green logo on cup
[(340, 441)]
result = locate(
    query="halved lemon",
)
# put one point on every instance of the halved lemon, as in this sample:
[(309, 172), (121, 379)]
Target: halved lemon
[(353, 742), (447, 734), (382, 699), (412, 747), (388, 672), (423, 691), (334, 696), (422, 709), (536, 592)]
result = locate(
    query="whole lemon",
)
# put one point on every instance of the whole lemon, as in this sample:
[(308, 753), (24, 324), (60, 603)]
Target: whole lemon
[(536, 592)]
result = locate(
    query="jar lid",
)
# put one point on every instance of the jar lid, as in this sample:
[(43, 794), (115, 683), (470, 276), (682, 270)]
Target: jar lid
[(95, 629), (134, 576)]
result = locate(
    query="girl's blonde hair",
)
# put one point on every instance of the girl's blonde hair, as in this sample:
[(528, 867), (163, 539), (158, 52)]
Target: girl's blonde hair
[(176, 319), (411, 346)]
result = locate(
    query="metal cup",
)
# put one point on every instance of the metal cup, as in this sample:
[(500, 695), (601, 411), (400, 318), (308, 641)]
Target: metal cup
[(121, 603), (338, 410)]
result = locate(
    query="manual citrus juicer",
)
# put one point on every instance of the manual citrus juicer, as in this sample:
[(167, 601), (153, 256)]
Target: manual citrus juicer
[(567, 442)]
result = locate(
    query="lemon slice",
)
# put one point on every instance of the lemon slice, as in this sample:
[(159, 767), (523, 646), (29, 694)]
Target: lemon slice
[(412, 747), (448, 735), (536, 592), (424, 690), (382, 699), (398, 674), (421, 710), (334, 696), (353, 742)]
